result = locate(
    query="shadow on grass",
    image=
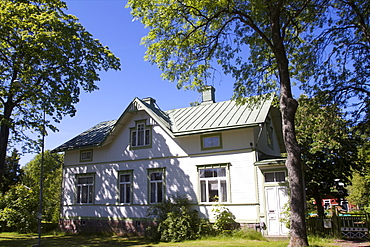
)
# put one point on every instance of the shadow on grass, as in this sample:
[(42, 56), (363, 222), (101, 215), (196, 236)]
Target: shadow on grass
[(74, 240)]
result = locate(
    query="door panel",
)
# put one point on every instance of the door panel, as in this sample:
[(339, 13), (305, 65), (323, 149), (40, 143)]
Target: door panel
[(276, 198)]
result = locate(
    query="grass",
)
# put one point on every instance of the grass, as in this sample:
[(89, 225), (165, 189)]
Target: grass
[(11, 239)]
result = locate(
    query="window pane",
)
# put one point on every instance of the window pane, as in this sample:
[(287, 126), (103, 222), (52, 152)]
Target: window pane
[(125, 178), (213, 184), (223, 191), (84, 194), (156, 176), (221, 172), (86, 155), (140, 135), (78, 194), (210, 173), (269, 177), (213, 191), (90, 194), (122, 193), (128, 193), (133, 138), (153, 193), (147, 137), (280, 177), (81, 180), (160, 192), (203, 192), (213, 141)]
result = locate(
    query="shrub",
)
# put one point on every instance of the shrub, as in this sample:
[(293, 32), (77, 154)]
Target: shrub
[(224, 219), (175, 222), (18, 209), (179, 226)]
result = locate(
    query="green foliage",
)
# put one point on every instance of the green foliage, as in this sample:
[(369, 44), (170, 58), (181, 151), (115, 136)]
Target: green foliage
[(52, 174), (12, 172), (285, 219), (247, 233), (175, 222), (47, 58), (224, 219), (179, 226), (328, 146), (343, 56), (359, 193), (18, 208), (191, 40)]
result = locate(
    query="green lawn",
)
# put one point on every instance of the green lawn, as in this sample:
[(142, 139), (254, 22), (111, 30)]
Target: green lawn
[(9, 239)]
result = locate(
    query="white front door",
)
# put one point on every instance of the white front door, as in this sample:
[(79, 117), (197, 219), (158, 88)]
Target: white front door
[(276, 198)]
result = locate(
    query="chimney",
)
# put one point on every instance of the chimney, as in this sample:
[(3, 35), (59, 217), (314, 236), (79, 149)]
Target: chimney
[(208, 95), (150, 101)]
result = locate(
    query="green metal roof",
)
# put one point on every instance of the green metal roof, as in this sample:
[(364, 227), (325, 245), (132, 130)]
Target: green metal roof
[(217, 116), (177, 122)]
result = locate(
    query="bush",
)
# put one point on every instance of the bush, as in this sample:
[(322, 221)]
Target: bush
[(18, 209), (179, 226), (224, 219), (175, 222)]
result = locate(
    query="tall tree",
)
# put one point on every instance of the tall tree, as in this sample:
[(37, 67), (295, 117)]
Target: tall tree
[(52, 182), (12, 171), (344, 56), (359, 191), (46, 59), (328, 147), (251, 40)]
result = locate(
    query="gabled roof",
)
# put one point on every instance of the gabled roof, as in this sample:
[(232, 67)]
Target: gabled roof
[(217, 116), (90, 138), (198, 119)]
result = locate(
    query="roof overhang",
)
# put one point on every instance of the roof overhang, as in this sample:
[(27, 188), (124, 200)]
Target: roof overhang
[(270, 163)]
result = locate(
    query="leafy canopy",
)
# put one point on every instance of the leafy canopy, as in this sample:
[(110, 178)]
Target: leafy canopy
[(47, 57), (343, 56), (328, 146), (52, 182), (189, 40)]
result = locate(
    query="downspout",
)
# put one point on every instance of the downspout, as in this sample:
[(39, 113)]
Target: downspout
[(258, 139), (259, 224)]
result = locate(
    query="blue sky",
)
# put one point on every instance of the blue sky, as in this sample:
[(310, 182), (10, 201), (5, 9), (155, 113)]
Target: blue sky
[(111, 23)]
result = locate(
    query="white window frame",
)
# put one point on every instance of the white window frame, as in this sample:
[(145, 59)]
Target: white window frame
[(156, 187), (85, 189), (141, 135), (125, 187), (217, 183), (274, 173)]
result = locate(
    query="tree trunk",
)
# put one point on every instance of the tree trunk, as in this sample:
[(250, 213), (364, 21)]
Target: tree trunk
[(288, 107), (4, 137), (318, 202)]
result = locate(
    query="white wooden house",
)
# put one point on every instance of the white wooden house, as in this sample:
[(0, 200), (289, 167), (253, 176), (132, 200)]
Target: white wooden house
[(213, 153)]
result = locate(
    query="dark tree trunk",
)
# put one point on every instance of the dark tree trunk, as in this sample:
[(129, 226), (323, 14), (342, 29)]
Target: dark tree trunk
[(4, 137), (288, 108), (318, 201)]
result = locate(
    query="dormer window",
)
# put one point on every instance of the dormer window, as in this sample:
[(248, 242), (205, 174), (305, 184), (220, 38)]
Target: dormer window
[(86, 155), (141, 135)]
